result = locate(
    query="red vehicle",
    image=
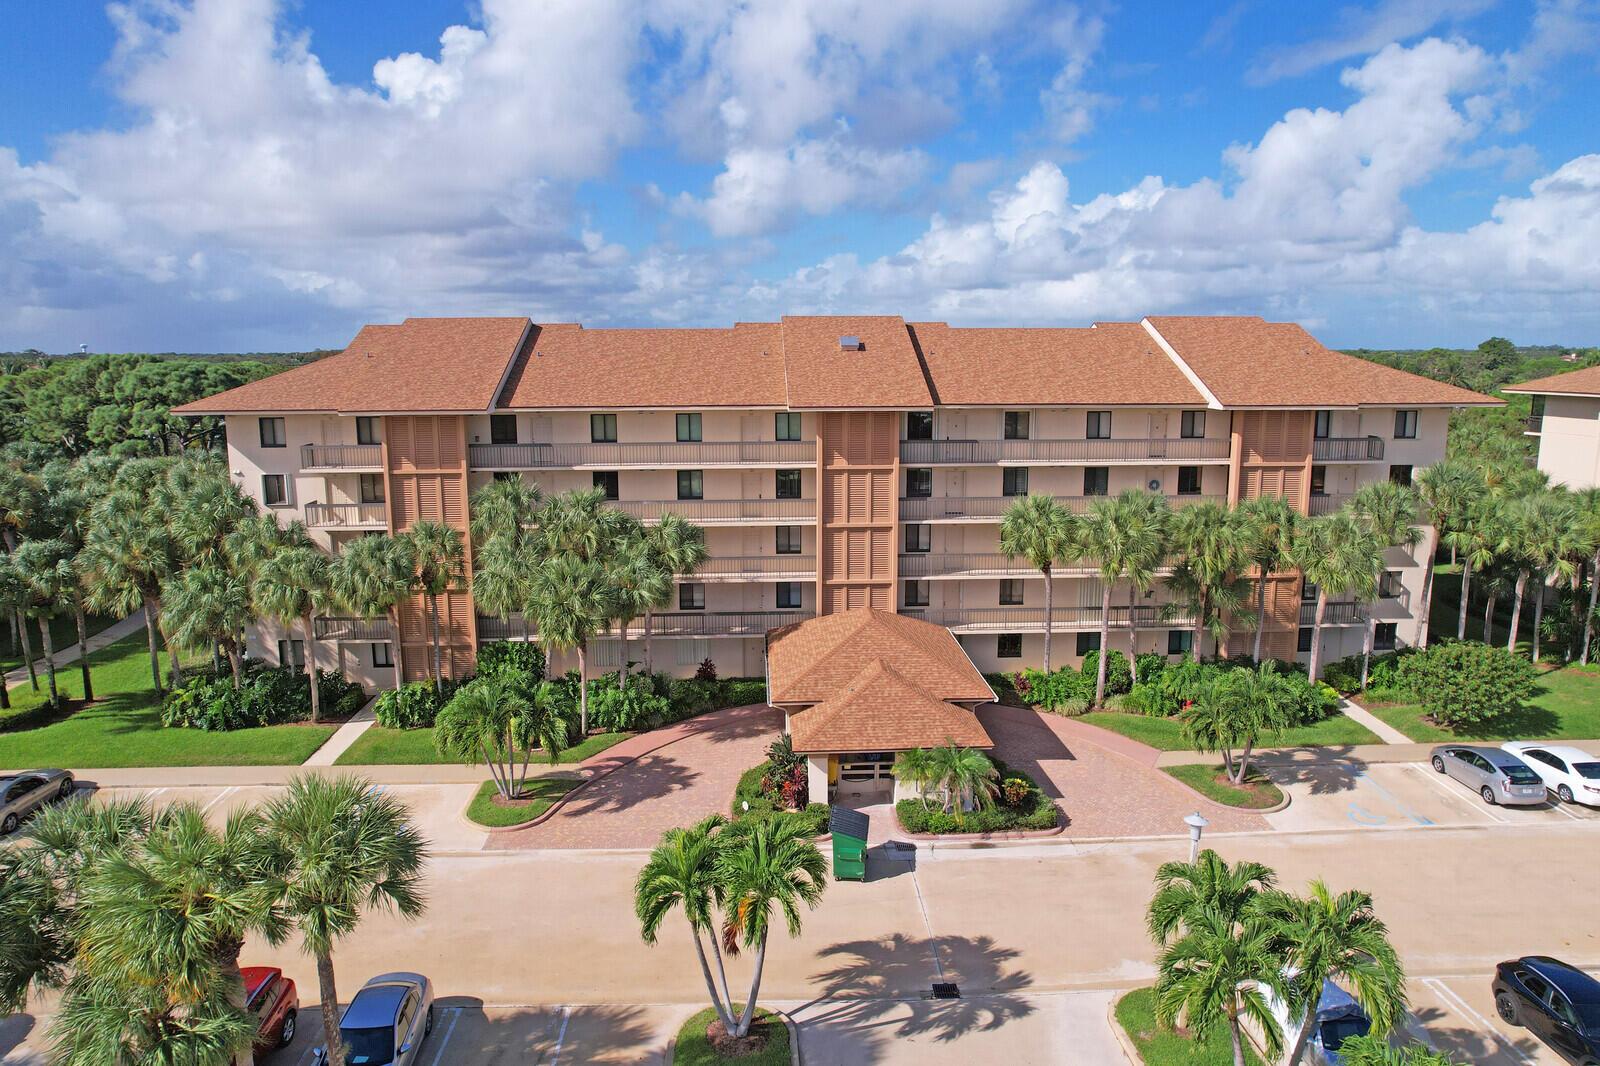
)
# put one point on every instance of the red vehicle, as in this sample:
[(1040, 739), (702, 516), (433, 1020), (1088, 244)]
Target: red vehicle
[(272, 998)]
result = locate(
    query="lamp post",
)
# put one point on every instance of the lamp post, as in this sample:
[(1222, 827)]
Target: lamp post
[(1197, 825)]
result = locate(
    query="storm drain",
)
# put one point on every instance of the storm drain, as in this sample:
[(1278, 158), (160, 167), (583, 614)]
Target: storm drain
[(946, 990)]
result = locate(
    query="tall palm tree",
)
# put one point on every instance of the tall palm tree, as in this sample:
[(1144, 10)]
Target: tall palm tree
[(21, 495), (437, 554), (573, 601), (639, 582), (210, 606), (683, 871), (337, 847), (128, 556), (958, 773), (294, 585), (1336, 553), (71, 492), (1209, 543), (1538, 529), (1123, 540), (1474, 540), (371, 576), (1588, 502), (505, 514), (489, 719), (679, 547), (1340, 937), (13, 594), (1040, 530), (1149, 539), (45, 571), (1389, 509), (1447, 490), (505, 507), (1269, 523), (772, 865)]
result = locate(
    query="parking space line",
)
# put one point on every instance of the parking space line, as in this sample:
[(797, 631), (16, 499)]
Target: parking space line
[(1480, 807), (1452, 998), (561, 1037), (438, 1053), (1561, 808), (224, 794), (1407, 811)]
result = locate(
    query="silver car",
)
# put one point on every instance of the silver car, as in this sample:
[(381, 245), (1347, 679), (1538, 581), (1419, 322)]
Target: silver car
[(1498, 776), (386, 1022), (25, 791)]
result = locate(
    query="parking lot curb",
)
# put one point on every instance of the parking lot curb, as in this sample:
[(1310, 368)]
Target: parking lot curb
[(1124, 1041)]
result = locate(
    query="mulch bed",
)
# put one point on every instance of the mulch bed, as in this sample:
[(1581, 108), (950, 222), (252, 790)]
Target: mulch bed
[(730, 1047)]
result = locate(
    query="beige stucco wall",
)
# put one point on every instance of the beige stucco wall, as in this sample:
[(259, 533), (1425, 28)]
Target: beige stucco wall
[(1569, 441)]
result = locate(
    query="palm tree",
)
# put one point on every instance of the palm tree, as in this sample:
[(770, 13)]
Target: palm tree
[(1389, 509), (1040, 530), (639, 582), (488, 718), (210, 606), (45, 572), (13, 594), (683, 871), (1538, 529), (1336, 553), (21, 495), (773, 864), (437, 555), (128, 556), (505, 513), (1589, 509), (961, 772), (1237, 709), (294, 585), (1209, 542), (70, 494), (916, 768), (371, 576), (1340, 937), (336, 848), (1448, 490), (573, 601), (1269, 524), (679, 547), (505, 507), (1148, 518), (1123, 539), (1474, 539)]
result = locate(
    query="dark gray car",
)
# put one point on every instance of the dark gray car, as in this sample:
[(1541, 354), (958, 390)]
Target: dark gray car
[(1498, 776), (25, 791)]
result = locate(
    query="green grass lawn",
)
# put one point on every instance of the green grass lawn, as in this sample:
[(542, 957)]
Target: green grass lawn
[(1444, 610), (396, 747), (1160, 1046), (693, 1049), (1167, 733), (1566, 706), (543, 791), (1202, 777), (63, 630), (123, 727)]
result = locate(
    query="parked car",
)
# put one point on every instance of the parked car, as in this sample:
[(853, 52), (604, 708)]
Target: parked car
[(1573, 775), (1558, 1003), (273, 999), (24, 792), (1498, 776), (387, 1022), (1339, 1017)]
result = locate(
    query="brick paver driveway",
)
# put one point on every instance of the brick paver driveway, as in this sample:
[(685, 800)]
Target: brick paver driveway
[(678, 784), (1106, 785)]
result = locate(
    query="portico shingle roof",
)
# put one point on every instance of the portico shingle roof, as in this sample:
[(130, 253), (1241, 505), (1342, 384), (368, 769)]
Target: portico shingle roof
[(880, 709), (812, 661)]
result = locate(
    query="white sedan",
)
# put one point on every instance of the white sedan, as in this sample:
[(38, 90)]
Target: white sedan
[(1573, 775)]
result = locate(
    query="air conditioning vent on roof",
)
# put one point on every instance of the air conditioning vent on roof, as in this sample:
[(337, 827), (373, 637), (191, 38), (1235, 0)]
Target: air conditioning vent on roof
[(850, 344)]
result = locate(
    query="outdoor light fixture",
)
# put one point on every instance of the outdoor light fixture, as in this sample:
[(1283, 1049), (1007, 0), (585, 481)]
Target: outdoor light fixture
[(1197, 825)]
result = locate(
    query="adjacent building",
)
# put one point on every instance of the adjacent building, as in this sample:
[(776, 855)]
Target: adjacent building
[(1566, 419), (836, 464)]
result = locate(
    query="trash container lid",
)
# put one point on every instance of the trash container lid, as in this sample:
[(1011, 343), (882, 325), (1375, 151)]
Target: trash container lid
[(847, 822)]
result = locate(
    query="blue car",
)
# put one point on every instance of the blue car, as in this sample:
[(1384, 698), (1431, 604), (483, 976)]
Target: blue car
[(387, 1022)]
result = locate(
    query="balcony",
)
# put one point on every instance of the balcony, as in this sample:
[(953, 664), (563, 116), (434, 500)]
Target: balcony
[(724, 512), (1046, 452), (354, 630), (1335, 613), (661, 455), (668, 624), (757, 568), (988, 564), (347, 515), (337, 458), (1327, 503), (991, 508), (1534, 424), (1347, 449), (1031, 619)]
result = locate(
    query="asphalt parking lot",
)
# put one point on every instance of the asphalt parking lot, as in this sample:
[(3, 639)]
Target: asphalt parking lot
[(1458, 1014)]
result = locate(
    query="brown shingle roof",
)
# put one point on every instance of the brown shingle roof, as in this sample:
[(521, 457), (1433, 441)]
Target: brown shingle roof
[(811, 661), (885, 373), (1247, 362), (1113, 363), (1585, 382), (423, 364), (880, 709)]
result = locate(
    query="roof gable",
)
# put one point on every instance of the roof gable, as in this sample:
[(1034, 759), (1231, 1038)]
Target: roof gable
[(883, 373), (880, 709), (811, 661), (1585, 382)]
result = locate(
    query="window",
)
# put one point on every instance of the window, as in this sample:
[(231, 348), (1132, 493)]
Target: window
[(1017, 425), (382, 655), (1535, 411), (367, 430), (1322, 425), (272, 433), (1383, 636), (1014, 481), (919, 482), (603, 429), (1400, 473), (786, 425), (1096, 480), (919, 537), (1180, 641), (403, 1020), (1008, 646), (691, 485), (274, 490), (292, 653), (1405, 425), (1305, 637), (1188, 481), (688, 427), (1192, 424), (916, 593), (502, 429), (788, 542), (789, 595), (691, 597), (608, 481), (1319, 481), (372, 488), (1088, 642), (788, 484), (506, 475), (1389, 585), (919, 425), (1011, 592), (1308, 592), (1097, 425)]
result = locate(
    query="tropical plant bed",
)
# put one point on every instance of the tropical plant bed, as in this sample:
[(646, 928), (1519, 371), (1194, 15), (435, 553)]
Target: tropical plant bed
[(492, 811), (380, 746), (749, 801), (1166, 734), (1565, 706), (1026, 809), (1159, 1045), (1211, 781), (702, 1041)]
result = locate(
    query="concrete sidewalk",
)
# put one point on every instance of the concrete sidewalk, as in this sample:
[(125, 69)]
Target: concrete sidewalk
[(1385, 732), (68, 656), (345, 736)]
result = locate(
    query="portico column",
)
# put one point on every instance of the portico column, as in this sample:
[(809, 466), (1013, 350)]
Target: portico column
[(817, 778)]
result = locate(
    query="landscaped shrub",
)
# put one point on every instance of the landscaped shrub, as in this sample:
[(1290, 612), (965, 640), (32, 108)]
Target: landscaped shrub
[(750, 791), (1170, 690), (1119, 677), (340, 697), (614, 709), (1383, 672), (690, 696), (1343, 675), (1467, 682), (1149, 664), (266, 696), (1021, 804), (706, 671), (1064, 690), (524, 658), (414, 705)]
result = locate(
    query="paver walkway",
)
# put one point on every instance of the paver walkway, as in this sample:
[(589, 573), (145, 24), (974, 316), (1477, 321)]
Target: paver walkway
[(654, 781), (69, 655)]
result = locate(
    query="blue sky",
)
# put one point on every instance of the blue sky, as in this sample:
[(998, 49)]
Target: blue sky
[(258, 174)]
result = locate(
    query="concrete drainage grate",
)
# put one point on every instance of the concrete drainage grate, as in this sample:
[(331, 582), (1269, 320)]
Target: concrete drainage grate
[(946, 990)]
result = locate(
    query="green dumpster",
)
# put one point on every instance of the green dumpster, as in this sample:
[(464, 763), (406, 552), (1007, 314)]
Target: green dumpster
[(849, 829)]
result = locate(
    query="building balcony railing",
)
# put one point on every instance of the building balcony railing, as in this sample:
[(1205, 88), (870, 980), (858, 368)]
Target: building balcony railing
[(1327, 503), (1032, 619), (724, 512), (360, 630), (347, 515), (989, 564), (315, 457), (663, 454), (1347, 449), (1335, 613), (1045, 452), (991, 508), (1534, 424), (668, 624), (746, 567)]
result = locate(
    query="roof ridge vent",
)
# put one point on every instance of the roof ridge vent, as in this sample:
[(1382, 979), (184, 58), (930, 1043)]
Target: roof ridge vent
[(849, 342)]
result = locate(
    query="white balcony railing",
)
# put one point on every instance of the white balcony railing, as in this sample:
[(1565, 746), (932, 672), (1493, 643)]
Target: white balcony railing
[(347, 515), (724, 512), (341, 457), (747, 567), (667, 624), (1032, 619), (1045, 452), (991, 508), (660, 454)]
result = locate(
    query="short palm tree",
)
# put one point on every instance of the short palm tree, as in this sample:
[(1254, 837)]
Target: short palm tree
[(1269, 524), (437, 553), (1040, 530), (1337, 554), (639, 582), (679, 547), (959, 773), (488, 719), (683, 871), (573, 601), (208, 606), (337, 848), (1244, 705), (916, 768), (1123, 539), (1208, 542), (44, 569), (294, 585), (1390, 510)]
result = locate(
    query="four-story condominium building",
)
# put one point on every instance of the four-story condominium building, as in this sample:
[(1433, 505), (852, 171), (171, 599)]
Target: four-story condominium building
[(836, 463)]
